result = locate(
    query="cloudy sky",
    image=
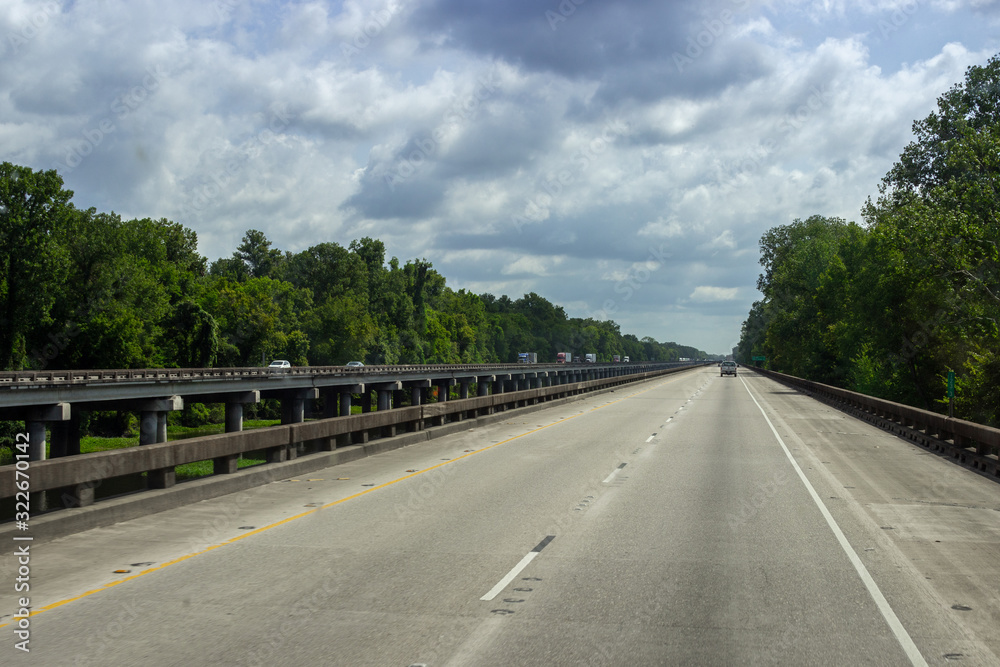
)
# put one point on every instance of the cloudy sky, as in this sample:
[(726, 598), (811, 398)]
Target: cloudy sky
[(622, 159)]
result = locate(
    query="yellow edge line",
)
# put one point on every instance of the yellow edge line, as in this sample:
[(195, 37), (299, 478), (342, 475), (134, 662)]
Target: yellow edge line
[(105, 587)]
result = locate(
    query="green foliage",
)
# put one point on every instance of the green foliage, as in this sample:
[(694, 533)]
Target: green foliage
[(33, 207), (85, 289), (977, 389), (888, 308)]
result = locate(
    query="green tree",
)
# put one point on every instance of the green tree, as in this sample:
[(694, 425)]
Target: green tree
[(33, 206)]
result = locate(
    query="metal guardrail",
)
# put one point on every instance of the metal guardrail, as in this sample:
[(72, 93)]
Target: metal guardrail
[(79, 474), (968, 442), (69, 377)]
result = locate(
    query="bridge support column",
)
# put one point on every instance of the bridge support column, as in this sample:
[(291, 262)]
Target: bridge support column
[(361, 437), (443, 395), (340, 406), (65, 424), (498, 388), (65, 436), (443, 391), (161, 426), (384, 393), (293, 411), (147, 427), (36, 423), (463, 393), (483, 389), (234, 417), (330, 398), (153, 430), (227, 465), (36, 440), (384, 400), (417, 397), (293, 405)]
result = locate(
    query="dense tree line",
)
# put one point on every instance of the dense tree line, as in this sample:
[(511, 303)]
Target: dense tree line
[(887, 308), (83, 289)]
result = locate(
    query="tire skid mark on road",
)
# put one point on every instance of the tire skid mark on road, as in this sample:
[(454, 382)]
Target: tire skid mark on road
[(257, 531)]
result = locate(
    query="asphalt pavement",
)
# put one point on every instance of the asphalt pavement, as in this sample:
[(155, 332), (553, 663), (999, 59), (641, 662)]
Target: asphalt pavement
[(693, 519)]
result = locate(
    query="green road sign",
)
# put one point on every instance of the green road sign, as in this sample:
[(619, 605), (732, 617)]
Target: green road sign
[(760, 358), (951, 384)]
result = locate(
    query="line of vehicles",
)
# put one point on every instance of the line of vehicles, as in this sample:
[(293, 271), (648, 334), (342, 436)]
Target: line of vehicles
[(279, 365), (567, 358)]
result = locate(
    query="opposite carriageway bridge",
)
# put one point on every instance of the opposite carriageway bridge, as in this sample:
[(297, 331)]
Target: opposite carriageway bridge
[(56, 399)]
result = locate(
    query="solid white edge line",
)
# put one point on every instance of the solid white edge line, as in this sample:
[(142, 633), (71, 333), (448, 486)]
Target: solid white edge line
[(902, 636), (502, 584)]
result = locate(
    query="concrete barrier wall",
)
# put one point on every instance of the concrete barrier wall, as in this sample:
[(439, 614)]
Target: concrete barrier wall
[(973, 444), (90, 469)]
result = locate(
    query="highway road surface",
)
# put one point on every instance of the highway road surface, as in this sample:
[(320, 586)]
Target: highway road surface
[(689, 520)]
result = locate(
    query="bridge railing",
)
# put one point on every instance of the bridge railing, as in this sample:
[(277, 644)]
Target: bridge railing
[(52, 377), (968, 442), (77, 476)]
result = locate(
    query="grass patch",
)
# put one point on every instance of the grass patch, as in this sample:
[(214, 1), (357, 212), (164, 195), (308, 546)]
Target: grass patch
[(205, 468), (93, 443), (259, 423)]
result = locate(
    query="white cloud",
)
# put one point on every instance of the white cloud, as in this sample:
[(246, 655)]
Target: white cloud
[(587, 160), (530, 265), (707, 294)]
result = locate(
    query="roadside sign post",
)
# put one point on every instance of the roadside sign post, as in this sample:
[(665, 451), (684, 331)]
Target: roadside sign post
[(951, 393), (759, 360)]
